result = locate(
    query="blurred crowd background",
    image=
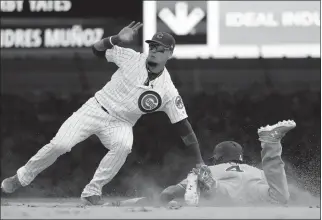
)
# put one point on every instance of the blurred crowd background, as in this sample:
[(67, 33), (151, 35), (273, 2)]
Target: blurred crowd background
[(226, 99)]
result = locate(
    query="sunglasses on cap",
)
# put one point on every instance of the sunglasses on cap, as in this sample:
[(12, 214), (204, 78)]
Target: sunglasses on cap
[(158, 48)]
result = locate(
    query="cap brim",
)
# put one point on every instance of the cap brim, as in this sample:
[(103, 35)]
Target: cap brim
[(157, 42)]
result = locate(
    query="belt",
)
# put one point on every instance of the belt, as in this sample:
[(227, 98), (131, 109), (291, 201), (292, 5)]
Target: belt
[(104, 109)]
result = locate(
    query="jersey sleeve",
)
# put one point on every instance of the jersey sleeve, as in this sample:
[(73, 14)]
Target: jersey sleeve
[(175, 109), (120, 55)]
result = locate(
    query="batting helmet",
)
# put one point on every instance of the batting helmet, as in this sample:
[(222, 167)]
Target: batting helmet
[(227, 151)]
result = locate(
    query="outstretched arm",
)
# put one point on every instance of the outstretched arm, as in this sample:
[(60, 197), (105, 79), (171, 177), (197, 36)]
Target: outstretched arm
[(118, 55), (177, 114), (189, 138), (100, 47), (170, 193)]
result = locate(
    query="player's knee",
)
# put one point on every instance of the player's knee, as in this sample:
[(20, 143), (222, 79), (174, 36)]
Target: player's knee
[(61, 147), (123, 149), (123, 146), (127, 148), (124, 142)]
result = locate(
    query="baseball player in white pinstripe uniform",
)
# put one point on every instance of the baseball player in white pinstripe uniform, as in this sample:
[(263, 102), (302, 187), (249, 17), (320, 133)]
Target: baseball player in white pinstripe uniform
[(141, 85)]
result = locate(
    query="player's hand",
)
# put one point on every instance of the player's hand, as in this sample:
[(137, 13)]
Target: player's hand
[(201, 168), (198, 165), (127, 33), (205, 176)]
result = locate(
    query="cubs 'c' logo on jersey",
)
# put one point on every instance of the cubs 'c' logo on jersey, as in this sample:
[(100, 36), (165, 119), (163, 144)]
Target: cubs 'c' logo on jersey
[(149, 101), (179, 102), (235, 168)]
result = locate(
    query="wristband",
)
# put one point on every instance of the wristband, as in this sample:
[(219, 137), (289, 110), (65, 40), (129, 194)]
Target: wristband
[(111, 41)]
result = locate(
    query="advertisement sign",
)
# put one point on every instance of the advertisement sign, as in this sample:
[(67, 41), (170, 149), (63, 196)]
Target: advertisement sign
[(51, 37), (48, 36), (43, 28), (243, 29)]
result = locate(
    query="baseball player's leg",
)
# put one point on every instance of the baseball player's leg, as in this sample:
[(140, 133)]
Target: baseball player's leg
[(119, 141), (273, 165), (75, 129)]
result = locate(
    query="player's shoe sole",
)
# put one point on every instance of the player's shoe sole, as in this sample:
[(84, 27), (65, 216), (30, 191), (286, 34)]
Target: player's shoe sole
[(276, 131), (11, 184)]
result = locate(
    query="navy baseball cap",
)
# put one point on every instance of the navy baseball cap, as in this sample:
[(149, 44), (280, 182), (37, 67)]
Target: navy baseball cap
[(228, 151), (163, 38)]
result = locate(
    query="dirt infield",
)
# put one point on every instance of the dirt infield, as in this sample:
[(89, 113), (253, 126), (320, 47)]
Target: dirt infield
[(72, 208)]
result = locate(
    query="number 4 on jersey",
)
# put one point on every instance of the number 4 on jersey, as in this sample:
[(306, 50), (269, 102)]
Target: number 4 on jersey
[(234, 168)]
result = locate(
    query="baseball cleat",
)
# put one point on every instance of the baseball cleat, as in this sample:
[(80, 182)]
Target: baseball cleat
[(276, 131), (92, 200), (10, 184)]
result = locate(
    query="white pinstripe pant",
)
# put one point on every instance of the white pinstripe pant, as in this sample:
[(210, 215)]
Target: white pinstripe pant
[(90, 119)]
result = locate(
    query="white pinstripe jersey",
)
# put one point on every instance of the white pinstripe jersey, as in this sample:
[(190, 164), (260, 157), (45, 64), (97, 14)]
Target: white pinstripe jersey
[(126, 97)]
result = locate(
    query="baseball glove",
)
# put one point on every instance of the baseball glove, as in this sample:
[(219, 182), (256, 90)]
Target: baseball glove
[(205, 178)]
